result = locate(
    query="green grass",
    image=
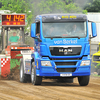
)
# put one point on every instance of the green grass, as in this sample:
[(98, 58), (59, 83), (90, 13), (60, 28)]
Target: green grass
[(96, 75)]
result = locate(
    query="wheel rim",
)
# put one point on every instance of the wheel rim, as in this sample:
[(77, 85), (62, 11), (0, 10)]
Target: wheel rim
[(32, 75)]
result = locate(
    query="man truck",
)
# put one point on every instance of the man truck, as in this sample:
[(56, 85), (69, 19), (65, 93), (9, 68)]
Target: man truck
[(61, 49)]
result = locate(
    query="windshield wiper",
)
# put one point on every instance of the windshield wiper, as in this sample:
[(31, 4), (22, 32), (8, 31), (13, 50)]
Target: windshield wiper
[(63, 37), (54, 37), (73, 37)]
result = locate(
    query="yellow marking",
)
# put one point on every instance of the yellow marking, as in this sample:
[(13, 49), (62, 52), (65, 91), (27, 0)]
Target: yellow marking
[(28, 70), (37, 63), (72, 16), (69, 17), (64, 16)]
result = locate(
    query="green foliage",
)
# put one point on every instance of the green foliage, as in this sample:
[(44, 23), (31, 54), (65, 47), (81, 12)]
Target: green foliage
[(98, 66), (84, 11), (58, 6), (19, 6), (93, 7), (96, 75), (35, 7)]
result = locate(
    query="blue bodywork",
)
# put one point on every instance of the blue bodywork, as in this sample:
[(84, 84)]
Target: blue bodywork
[(42, 53)]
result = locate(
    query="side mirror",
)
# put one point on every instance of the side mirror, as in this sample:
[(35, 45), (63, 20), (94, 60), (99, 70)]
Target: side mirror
[(33, 30), (94, 30)]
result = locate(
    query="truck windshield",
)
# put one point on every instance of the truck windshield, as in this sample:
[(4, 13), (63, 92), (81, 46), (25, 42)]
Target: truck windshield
[(64, 30)]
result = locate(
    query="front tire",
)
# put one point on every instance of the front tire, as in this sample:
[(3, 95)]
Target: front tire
[(83, 80), (36, 80), (23, 76)]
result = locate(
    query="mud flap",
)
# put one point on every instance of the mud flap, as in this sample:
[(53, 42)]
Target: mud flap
[(27, 61), (27, 66)]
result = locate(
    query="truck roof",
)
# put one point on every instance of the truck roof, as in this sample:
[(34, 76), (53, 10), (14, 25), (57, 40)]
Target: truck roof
[(62, 16)]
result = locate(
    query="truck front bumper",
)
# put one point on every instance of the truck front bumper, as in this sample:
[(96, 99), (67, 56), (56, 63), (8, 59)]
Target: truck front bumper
[(63, 70), (84, 71)]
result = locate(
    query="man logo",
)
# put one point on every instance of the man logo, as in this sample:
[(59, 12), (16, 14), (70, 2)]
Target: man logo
[(60, 50), (65, 50), (70, 50)]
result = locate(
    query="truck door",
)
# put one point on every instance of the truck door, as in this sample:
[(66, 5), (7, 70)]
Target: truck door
[(37, 43)]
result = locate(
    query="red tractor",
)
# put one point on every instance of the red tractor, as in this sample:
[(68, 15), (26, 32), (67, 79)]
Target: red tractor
[(13, 41)]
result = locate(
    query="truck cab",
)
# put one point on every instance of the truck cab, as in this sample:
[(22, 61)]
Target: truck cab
[(61, 47)]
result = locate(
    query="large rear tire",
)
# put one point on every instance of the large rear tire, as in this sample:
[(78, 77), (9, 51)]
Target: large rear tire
[(83, 80), (23, 76), (36, 80)]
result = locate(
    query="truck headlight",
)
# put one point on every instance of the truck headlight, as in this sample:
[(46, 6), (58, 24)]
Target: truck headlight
[(45, 63), (85, 63)]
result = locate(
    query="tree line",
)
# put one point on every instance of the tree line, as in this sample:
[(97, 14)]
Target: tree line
[(36, 7)]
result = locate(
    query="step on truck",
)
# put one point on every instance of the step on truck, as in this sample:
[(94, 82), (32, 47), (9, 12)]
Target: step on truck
[(61, 49)]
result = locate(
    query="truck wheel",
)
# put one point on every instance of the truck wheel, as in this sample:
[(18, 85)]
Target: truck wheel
[(83, 80), (36, 80), (23, 77), (98, 71)]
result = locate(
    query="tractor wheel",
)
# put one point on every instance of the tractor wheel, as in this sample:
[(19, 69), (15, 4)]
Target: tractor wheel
[(83, 80), (23, 76), (98, 71), (36, 80)]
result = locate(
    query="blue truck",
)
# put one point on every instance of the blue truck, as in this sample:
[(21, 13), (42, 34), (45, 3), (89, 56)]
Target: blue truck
[(61, 49)]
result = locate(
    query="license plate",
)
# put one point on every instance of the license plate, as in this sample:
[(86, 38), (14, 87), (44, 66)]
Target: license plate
[(64, 75)]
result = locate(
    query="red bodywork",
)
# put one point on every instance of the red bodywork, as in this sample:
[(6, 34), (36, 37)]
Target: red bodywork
[(9, 51), (12, 52)]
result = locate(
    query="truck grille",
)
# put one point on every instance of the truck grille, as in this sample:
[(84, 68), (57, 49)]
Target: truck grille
[(96, 58), (65, 51), (65, 58), (65, 69), (65, 63)]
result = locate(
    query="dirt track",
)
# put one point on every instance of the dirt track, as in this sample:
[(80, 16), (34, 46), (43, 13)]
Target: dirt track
[(50, 90)]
